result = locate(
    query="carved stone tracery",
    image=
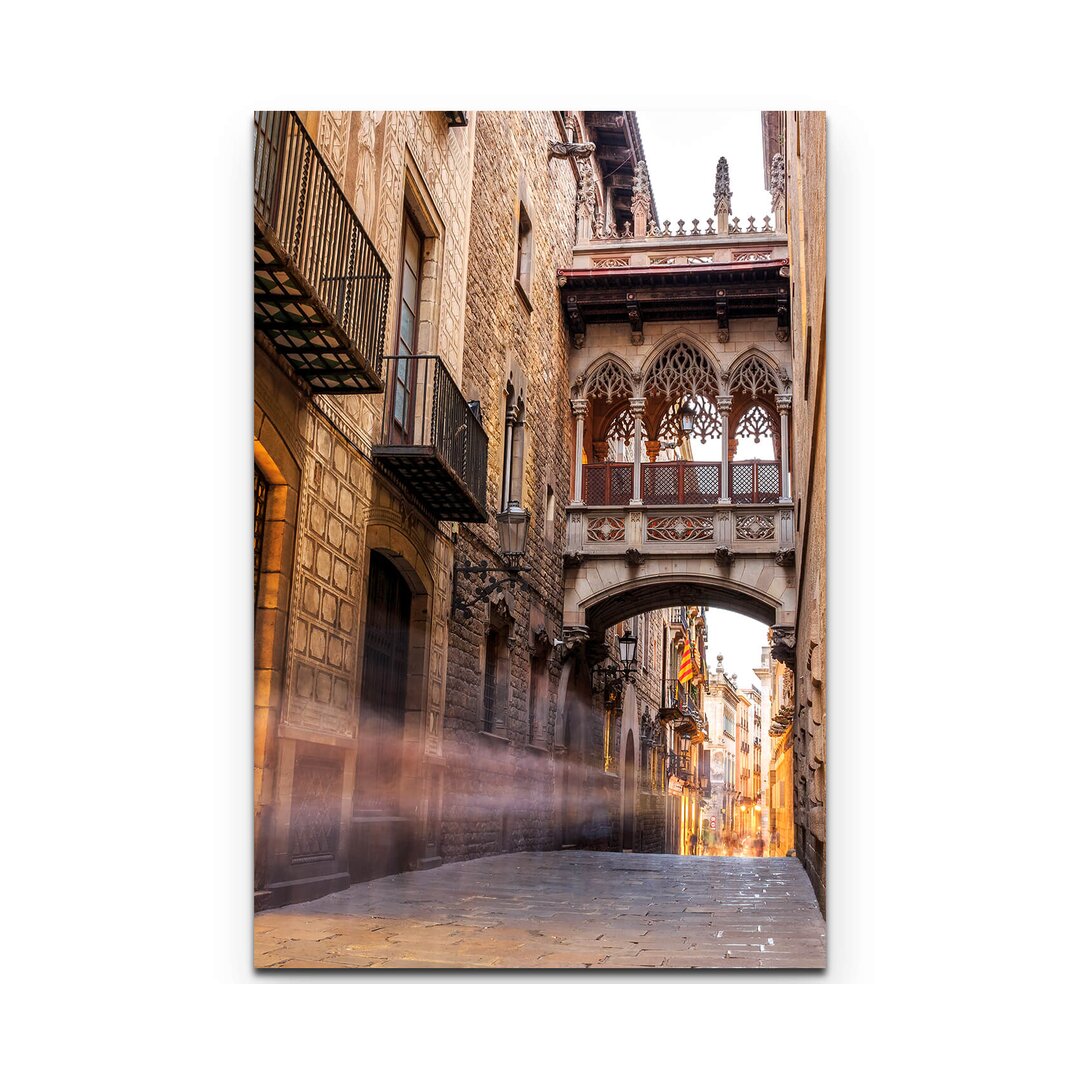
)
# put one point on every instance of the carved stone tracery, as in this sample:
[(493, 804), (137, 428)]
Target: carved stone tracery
[(754, 378), (608, 380), (756, 423), (682, 371), (754, 527)]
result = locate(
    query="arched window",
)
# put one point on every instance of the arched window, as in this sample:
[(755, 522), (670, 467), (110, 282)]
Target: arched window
[(753, 378), (756, 424)]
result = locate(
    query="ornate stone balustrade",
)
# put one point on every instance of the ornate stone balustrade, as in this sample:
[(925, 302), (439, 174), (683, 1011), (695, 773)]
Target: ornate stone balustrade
[(723, 532), (610, 231), (703, 248)]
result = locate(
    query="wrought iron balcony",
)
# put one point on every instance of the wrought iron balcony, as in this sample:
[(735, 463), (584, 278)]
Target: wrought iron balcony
[(321, 289), (433, 440)]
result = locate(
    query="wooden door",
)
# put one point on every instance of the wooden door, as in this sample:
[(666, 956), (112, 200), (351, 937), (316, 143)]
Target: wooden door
[(382, 696)]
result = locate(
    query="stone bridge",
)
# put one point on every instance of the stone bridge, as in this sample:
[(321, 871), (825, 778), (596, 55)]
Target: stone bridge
[(620, 562)]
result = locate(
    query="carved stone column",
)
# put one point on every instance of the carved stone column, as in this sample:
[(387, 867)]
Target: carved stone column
[(783, 403), (578, 407), (724, 405), (637, 410)]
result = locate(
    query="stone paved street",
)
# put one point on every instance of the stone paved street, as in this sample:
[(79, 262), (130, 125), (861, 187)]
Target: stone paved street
[(575, 909)]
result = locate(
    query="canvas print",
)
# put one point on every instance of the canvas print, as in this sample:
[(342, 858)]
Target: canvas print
[(539, 539)]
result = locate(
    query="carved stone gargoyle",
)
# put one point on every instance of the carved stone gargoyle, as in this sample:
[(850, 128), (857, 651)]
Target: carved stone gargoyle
[(782, 640), (634, 557), (785, 557), (540, 642), (724, 556), (564, 150)]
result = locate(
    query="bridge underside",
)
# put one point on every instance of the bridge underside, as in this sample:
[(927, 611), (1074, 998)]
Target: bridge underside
[(605, 589)]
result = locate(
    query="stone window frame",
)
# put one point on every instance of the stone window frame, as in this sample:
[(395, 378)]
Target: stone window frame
[(496, 667), (524, 244), (418, 204), (515, 445)]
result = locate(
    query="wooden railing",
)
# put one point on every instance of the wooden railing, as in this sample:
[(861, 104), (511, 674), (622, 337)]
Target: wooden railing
[(298, 198), (681, 483)]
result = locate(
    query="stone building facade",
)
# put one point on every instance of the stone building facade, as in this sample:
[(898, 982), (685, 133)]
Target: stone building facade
[(335, 523), (798, 183)]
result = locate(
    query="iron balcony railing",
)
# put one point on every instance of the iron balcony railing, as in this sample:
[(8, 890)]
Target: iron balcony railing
[(300, 202), (681, 483), (426, 416), (681, 696)]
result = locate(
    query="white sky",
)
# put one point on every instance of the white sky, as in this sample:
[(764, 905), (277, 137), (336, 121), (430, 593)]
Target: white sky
[(682, 149)]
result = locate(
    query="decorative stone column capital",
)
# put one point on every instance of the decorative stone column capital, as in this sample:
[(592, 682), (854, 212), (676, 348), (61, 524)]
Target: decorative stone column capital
[(783, 402), (723, 403), (637, 407), (580, 406)]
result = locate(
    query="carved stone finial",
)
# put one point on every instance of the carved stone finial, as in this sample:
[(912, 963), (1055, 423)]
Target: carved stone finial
[(642, 186), (641, 200), (586, 195), (777, 179), (722, 190)]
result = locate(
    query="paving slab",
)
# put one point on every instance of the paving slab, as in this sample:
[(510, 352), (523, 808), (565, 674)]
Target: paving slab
[(559, 909)]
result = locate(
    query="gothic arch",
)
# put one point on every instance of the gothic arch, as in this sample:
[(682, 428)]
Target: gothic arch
[(755, 380), (681, 369), (608, 377), (674, 337), (744, 372), (386, 537)]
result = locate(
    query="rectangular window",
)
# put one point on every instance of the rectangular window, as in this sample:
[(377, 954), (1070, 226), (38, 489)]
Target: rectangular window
[(496, 680), (523, 275), (403, 387)]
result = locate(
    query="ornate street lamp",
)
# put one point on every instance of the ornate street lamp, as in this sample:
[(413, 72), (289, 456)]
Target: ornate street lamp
[(612, 676), (687, 417), (627, 651), (513, 524)]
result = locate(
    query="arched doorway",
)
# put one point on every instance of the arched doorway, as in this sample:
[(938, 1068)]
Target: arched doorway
[(629, 788), (380, 834), (576, 706)]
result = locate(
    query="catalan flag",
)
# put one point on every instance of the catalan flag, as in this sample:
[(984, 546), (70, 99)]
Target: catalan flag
[(686, 664)]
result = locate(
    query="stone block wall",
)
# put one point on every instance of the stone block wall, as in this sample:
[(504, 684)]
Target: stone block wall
[(307, 726), (500, 791), (804, 149)]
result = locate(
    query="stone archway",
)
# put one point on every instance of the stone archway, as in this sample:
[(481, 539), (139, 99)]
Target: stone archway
[(605, 590)]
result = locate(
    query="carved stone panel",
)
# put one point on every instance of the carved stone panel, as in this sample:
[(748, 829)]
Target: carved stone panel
[(316, 810), (606, 528), (754, 527), (680, 527)]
